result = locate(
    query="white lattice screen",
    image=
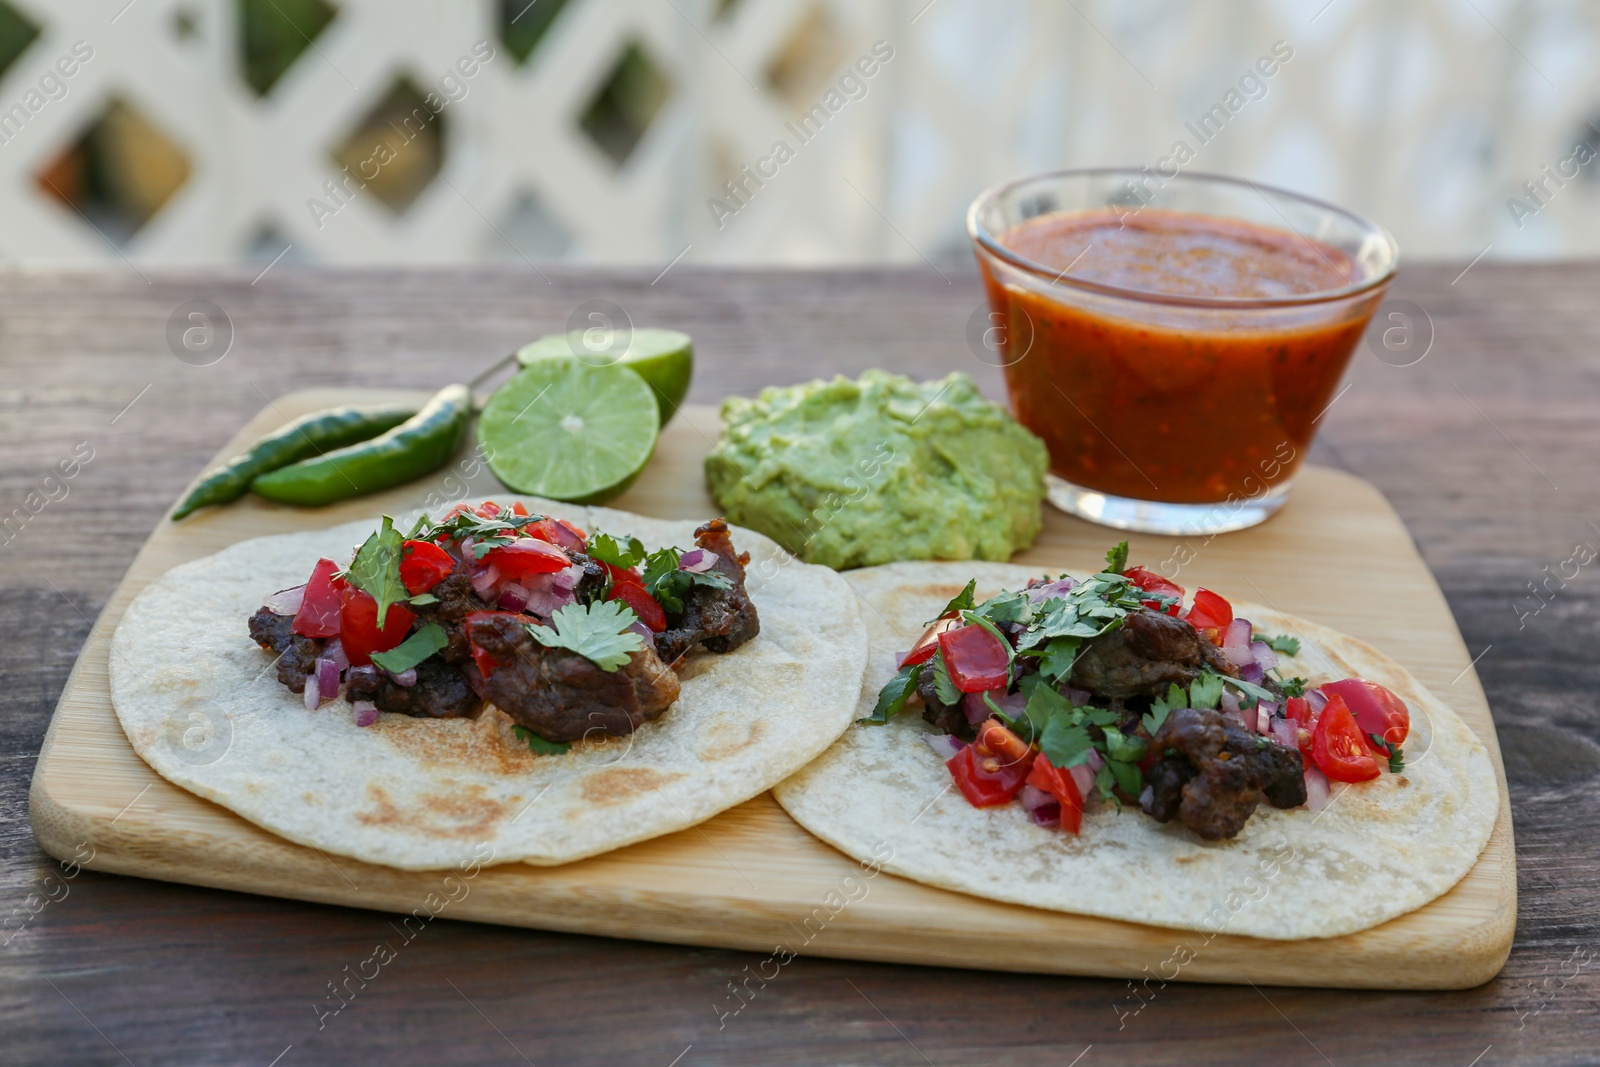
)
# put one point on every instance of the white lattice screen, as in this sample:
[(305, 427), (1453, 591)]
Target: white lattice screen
[(1427, 114)]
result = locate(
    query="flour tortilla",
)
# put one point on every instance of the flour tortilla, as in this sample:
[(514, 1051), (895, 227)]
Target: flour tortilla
[(202, 705), (1379, 850)]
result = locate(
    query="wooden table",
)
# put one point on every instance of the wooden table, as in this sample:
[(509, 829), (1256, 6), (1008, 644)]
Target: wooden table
[(1486, 447)]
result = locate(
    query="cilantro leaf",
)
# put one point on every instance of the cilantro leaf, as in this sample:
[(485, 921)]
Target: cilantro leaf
[(962, 601), (948, 694), (668, 583), (893, 696), (539, 745), (621, 554), (1058, 657), (1205, 692), (1044, 703), (1117, 558), (413, 650), (1012, 607), (1293, 687), (1289, 646), (423, 598), (597, 632), (1065, 743), (1397, 755), (1129, 778), (1161, 707), (376, 568), (1251, 689), (1104, 781), (1122, 748)]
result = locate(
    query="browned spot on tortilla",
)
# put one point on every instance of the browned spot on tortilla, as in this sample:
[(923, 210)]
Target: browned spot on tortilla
[(722, 738), (616, 785), (459, 811), (1184, 859), (484, 745)]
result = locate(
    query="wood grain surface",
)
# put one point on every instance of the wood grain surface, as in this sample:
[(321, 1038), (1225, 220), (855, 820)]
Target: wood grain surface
[(1485, 447), (751, 878)]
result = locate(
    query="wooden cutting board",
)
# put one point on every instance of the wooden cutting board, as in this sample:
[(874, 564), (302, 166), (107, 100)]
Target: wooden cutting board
[(751, 878)]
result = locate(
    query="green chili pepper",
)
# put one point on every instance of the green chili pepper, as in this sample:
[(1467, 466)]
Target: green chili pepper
[(320, 431), (423, 443)]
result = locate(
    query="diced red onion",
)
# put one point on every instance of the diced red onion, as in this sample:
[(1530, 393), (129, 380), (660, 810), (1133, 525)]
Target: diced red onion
[(1083, 776), (1047, 815), (1239, 655), (1077, 697), (1317, 699), (327, 679), (1265, 658), (312, 697), (1252, 672), (1095, 762), (977, 710), (334, 650), (1318, 792), (1287, 731), (546, 593), (568, 578), (366, 713), (1230, 702), (1263, 718), (1051, 590), (513, 598), (366, 674), (286, 601), (565, 538), (900, 658), (406, 678), (945, 746), (1032, 797), (697, 560), (642, 630), (466, 549), (1237, 635), (483, 582)]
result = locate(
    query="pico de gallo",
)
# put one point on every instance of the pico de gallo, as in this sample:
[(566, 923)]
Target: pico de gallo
[(1108, 689), (570, 633)]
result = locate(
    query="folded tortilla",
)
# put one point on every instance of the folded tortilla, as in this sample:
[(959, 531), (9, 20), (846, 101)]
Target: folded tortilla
[(1378, 850), (201, 704)]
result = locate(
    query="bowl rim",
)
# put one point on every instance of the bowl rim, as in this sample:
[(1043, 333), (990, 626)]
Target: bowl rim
[(989, 243)]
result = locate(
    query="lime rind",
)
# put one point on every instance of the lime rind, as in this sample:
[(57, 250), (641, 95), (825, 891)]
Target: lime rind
[(663, 358)]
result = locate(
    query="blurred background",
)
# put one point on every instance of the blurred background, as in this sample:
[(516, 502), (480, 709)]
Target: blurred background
[(763, 131)]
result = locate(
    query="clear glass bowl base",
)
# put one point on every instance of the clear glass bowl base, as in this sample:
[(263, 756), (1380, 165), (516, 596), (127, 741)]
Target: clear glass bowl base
[(1158, 517)]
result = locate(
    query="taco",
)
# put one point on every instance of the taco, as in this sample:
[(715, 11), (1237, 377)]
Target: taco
[(535, 681), (1095, 745)]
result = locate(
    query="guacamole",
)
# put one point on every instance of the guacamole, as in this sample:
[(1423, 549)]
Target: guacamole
[(850, 473)]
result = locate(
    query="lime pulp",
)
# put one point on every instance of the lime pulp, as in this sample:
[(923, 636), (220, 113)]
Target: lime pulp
[(567, 430)]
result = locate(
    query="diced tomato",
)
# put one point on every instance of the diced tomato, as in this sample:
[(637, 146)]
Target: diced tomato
[(358, 626), (643, 604), (1151, 582), (1298, 711), (1376, 709), (975, 658), (1337, 746), (486, 661), (987, 779), (995, 737), (424, 565), (558, 532), (488, 509), (460, 509), (518, 510), (319, 608), (525, 557), (1210, 611), (928, 643), (1059, 784)]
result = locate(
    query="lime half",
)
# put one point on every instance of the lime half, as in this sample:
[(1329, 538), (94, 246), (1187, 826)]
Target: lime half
[(570, 431), (663, 358)]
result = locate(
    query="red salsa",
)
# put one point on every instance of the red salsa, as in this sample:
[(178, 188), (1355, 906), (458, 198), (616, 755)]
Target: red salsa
[(1152, 398)]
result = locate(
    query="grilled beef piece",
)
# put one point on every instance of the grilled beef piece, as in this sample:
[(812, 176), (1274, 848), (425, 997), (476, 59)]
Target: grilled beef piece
[(456, 599), (949, 718), (592, 585), (719, 619), (440, 691), (1144, 655), (559, 694), (297, 654), (1213, 773)]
